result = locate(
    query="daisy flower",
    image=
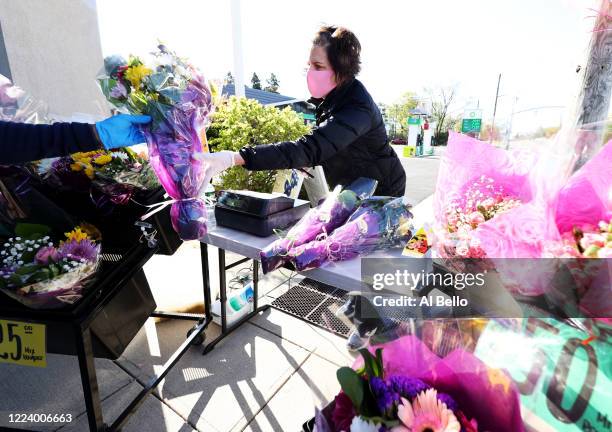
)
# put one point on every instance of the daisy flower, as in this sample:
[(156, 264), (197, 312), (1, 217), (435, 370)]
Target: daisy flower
[(427, 414)]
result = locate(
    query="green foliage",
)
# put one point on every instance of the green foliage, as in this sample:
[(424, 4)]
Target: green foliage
[(351, 385), (272, 84), (255, 82), (397, 114), (29, 231), (239, 122)]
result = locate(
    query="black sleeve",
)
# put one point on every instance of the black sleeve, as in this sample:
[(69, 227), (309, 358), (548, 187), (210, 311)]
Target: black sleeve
[(20, 142), (339, 131)]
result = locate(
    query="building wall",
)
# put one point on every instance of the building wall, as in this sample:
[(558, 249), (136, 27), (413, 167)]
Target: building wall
[(54, 53)]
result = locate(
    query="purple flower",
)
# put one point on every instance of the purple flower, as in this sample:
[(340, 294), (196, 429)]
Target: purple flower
[(47, 255), (79, 250), (406, 386), (119, 91), (384, 394), (449, 401)]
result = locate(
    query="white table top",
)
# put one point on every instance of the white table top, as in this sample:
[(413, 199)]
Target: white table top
[(341, 274)]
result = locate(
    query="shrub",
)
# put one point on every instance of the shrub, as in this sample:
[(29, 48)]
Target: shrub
[(240, 122)]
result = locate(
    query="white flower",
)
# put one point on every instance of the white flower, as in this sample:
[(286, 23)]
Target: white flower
[(18, 238), (19, 262), (30, 249), (360, 425), (120, 155)]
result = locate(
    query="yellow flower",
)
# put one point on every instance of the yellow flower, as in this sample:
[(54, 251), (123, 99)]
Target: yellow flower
[(89, 171), (85, 155), (103, 159), (92, 232), (76, 166), (136, 73), (76, 234)]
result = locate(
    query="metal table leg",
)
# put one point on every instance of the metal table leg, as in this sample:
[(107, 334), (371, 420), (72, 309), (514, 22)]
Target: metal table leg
[(225, 331), (88, 379)]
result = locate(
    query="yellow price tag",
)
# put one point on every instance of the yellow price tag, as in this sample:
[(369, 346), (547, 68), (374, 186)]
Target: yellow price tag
[(23, 343)]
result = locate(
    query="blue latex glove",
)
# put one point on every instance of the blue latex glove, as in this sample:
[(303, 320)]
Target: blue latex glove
[(121, 130)]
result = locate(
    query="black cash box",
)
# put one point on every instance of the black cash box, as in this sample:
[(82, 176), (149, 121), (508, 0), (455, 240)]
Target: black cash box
[(258, 213)]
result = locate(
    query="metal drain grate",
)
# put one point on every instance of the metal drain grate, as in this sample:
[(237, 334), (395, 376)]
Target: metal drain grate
[(315, 303)]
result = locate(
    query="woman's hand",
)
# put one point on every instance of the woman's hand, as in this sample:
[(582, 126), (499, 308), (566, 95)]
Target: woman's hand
[(216, 163)]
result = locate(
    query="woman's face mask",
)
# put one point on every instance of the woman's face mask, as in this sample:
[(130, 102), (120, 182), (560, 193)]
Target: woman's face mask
[(320, 82), (320, 76)]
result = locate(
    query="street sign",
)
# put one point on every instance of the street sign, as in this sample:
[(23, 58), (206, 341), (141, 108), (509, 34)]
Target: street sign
[(414, 120), (472, 121)]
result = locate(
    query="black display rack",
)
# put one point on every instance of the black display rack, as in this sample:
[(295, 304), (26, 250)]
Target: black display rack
[(103, 323)]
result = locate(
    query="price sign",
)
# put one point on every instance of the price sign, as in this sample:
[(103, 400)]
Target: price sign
[(23, 343), (563, 380), (472, 121), (471, 125)]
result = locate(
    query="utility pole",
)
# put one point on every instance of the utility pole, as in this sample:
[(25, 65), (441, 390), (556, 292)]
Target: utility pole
[(509, 132), (596, 88), (494, 110), (237, 45)]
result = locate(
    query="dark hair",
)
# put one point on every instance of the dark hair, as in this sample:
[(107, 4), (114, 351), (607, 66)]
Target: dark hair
[(343, 50)]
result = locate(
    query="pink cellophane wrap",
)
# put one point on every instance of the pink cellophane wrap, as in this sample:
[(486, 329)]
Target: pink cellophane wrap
[(586, 199), (587, 196), (485, 394)]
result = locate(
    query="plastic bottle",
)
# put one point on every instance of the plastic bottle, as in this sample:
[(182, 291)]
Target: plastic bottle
[(237, 306)]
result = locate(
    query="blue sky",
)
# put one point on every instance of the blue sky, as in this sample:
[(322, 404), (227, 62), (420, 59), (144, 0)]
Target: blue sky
[(406, 45)]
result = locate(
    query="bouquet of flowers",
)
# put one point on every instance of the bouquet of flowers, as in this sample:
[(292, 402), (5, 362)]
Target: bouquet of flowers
[(46, 260), (377, 224), (582, 213), (118, 174), (41, 272), (485, 202), (177, 97), (401, 386), (325, 218)]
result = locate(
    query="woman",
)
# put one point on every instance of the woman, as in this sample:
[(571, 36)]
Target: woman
[(349, 141)]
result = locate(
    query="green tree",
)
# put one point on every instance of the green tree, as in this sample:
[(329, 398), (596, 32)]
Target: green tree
[(255, 82), (272, 84), (396, 115), (229, 78), (240, 122)]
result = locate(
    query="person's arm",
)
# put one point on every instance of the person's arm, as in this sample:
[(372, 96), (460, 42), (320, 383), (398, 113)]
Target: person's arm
[(342, 129), (20, 142)]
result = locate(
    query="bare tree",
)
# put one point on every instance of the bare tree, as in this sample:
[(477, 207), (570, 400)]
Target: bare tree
[(441, 99)]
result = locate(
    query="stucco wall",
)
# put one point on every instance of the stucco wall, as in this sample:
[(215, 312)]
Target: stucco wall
[(54, 52)]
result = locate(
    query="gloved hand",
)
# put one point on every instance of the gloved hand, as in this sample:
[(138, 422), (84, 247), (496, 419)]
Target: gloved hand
[(216, 163), (121, 130)]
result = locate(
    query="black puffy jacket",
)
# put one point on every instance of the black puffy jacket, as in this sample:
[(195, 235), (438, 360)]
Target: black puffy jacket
[(350, 141)]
